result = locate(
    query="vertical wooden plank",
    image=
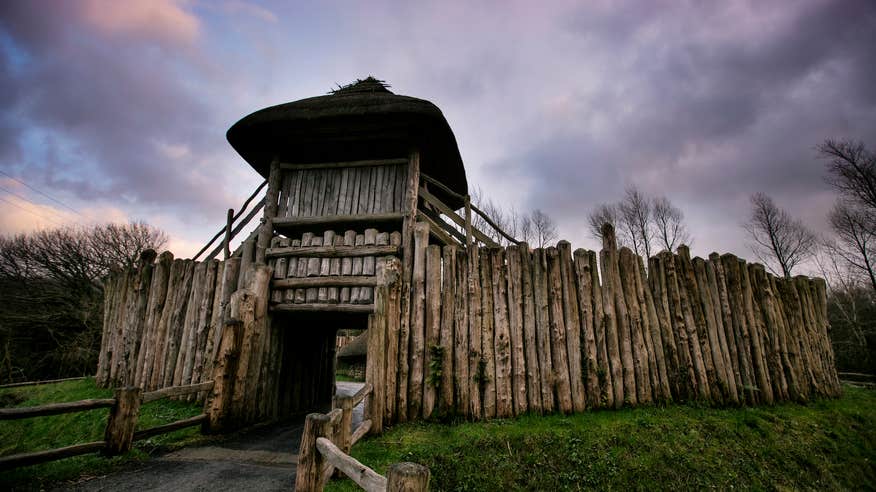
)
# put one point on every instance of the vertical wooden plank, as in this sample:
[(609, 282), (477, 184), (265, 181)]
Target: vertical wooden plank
[(572, 322), (393, 324), (177, 320), (533, 375), (655, 333), (730, 267), (658, 291), (366, 293), (418, 327), (723, 307), (407, 245), (695, 349), (627, 269), (156, 377), (515, 327), (488, 348), (157, 299), (335, 270), (432, 378), (559, 353), (621, 369), (722, 385), (476, 366), (502, 335), (754, 326), (600, 326), (699, 321), (543, 329), (719, 320), (446, 340), (347, 266), (461, 375), (311, 294), (205, 314), (358, 263), (688, 382), (589, 358)]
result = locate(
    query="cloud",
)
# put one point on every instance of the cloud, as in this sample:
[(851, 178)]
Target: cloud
[(164, 20)]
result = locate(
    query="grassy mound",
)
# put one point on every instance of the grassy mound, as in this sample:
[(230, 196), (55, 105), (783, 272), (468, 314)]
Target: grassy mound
[(827, 444), (54, 431)]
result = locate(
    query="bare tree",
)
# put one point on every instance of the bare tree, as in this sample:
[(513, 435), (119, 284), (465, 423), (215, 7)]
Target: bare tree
[(777, 237), (635, 224), (852, 170), (669, 228), (544, 228), (605, 213), (51, 283)]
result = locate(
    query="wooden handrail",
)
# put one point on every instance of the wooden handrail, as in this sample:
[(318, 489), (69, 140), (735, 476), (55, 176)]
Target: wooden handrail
[(364, 477), (177, 391), (360, 395), (360, 431), (163, 429), (25, 459), (480, 212), (55, 408), (243, 223), (235, 217), (35, 383)]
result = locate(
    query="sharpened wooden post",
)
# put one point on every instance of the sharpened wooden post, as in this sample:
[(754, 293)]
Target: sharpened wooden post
[(407, 477), (270, 212), (122, 420), (229, 221)]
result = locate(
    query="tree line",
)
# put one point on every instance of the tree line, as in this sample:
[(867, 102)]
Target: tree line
[(51, 286)]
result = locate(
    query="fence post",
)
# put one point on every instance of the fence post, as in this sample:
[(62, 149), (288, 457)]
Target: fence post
[(308, 473), (122, 419), (407, 477), (344, 433)]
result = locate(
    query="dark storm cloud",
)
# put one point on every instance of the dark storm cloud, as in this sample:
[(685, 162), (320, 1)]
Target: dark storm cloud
[(111, 113), (709, 104)]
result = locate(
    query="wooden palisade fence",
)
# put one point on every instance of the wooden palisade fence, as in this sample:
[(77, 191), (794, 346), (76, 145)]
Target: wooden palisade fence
[(120, 431), (326, 442)]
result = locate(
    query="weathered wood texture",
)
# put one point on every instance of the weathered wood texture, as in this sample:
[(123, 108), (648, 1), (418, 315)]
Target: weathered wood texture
[(477, 332)]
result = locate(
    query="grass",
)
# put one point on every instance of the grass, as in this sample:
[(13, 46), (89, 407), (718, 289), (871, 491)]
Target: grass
[(40, 433), (825, 445)]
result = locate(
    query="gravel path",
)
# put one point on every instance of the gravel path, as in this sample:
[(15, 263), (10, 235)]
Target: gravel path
[(260, 459)]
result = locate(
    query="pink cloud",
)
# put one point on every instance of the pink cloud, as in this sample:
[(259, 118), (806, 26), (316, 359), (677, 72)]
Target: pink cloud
[(164, 20)]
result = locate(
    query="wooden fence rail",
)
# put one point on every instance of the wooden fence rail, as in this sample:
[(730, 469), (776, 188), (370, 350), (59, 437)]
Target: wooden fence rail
[(326, 442), (120, 431)]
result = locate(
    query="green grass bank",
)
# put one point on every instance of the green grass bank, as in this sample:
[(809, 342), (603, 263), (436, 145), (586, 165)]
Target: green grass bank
[(55, 431), (824, 445)]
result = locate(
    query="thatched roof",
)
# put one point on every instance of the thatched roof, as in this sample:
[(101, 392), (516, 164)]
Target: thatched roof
[(358, 347), (363, 120)]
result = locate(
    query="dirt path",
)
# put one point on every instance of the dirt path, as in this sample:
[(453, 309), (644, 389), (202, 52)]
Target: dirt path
[(260, 459)]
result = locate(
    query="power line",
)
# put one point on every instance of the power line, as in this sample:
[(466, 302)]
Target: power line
[(41, 193), (31, 212)]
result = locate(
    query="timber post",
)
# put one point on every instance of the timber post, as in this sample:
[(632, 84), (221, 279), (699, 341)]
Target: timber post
[(123, 416), (219, 402), (308, 474), (407, 477), (267, 229)]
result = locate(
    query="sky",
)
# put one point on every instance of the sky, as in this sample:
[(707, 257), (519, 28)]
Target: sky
[(117, 110)]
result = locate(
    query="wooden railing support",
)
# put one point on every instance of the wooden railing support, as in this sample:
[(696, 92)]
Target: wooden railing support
[(407, 477), (122, 420), (308, 473), (270, 212)]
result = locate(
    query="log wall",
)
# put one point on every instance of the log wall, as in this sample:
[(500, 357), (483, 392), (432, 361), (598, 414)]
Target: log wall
[(500, 332), (483, 333)]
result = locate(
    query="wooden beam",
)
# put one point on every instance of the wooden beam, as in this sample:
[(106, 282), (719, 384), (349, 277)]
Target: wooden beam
[(164, 429), (177, 391), (25, 459), (444, 226), (55, 408), (232, 219), (337, 308), (364, 477), (365, 426), (330, 281), (435, 230), (270, 214), (334, 251), (333, 220), (446, 210), (347, 164)]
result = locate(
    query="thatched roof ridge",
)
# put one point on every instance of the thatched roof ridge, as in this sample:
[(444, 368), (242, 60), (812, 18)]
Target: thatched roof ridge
[(361, 120)]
